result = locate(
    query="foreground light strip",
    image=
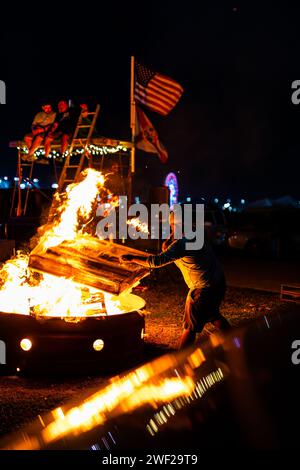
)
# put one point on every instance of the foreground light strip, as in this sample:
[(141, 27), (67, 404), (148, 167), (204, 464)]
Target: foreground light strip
[(164, 380), (202, 386), (93, 412)]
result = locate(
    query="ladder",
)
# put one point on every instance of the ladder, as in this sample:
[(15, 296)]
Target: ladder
[(71, 170), (22, 168)]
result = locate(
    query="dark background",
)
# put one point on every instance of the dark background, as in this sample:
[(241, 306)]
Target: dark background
[(234, 133)]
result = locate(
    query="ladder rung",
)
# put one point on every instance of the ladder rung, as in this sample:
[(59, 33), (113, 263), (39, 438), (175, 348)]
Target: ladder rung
[(64, 180)]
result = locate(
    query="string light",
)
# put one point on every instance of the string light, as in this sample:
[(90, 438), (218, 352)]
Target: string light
[(92, 150)]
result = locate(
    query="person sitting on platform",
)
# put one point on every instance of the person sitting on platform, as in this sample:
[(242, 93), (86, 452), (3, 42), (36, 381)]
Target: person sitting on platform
[(40, 128), (86, 119), (83, 111), (62, 128)]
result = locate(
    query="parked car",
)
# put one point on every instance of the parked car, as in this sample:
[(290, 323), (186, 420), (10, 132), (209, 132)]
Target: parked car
[(216, 226), (267, 231)]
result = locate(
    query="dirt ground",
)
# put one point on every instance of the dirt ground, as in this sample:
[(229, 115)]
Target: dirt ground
[(22, 399)]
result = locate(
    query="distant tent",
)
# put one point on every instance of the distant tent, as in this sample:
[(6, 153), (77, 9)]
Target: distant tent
[(282, 202), (260, 203), (286, 201)]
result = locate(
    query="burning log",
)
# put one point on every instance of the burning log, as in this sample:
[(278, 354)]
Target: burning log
[(91, 262)]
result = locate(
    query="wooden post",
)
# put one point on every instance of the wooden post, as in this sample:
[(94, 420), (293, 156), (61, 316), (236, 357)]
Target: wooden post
[(19, 206), (132, 125)]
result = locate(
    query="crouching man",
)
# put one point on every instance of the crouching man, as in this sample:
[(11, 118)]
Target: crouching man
[(204, 277)]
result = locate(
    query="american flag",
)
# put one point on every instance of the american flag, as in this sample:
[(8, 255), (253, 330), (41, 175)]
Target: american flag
[(155, 91)]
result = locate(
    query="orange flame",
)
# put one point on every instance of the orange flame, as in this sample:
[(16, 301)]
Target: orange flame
[(79, 203), (23, 293)]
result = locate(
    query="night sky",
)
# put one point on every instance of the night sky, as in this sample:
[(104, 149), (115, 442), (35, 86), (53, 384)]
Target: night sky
[(234, 133)]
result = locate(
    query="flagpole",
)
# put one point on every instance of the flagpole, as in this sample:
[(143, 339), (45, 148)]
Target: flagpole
[(132, 114), (132, 125)]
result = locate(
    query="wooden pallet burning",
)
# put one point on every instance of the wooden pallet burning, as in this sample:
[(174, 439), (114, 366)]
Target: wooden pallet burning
[(90, 262)]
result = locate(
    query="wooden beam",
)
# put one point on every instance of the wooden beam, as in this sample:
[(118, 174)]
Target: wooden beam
[(90, 262)]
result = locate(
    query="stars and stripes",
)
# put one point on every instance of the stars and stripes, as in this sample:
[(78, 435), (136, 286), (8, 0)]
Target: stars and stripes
[(157, 92)]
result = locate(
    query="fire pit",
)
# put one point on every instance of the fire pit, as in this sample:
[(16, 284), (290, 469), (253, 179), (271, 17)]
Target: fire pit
[(99, 343), (68, 305), (50, 322)]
